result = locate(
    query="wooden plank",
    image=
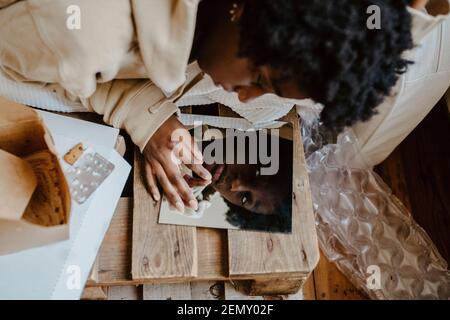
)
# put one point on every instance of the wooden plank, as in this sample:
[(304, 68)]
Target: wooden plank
[(94, 293), (212, 254), (115, 253), (309, 290), (295, 296), (207, 290), (280, 255), (271, 286), (234, 292), (93, 275), (167, 291), (125, 293), (204, 290), (159, 251), (114, 257), (331, 284)]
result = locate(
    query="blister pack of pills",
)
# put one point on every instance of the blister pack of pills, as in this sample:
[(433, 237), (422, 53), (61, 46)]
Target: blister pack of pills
[(87, 174)]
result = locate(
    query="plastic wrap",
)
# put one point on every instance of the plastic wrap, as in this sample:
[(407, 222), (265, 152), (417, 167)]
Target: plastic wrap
[(364, 229)]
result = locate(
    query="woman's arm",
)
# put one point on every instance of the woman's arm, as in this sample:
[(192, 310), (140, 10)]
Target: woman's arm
[(140, 107)]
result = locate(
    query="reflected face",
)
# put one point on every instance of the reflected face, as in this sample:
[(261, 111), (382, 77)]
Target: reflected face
[(244, 187)]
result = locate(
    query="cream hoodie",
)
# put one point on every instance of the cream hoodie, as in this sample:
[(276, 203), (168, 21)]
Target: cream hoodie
[(108, 62), (106, 65)]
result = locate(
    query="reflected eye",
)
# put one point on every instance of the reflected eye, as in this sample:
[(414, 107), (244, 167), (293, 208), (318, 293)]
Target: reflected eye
[(244, 198)]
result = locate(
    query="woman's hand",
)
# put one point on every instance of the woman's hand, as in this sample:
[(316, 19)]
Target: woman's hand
[(171, 145)]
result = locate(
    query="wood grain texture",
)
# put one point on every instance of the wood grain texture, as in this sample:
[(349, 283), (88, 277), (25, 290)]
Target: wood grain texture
[(207, 290), (331, 284), (125, 293), (114, 258), (233, 291), (167, 291), (93, 275), (280, 255), (309, 290), (159, 251), (271, 286), (212, 254), (94, 293), (200, 290)]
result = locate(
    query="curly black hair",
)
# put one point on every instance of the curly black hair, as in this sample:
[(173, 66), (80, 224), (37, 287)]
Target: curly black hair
[(280, 221), (327, 48)]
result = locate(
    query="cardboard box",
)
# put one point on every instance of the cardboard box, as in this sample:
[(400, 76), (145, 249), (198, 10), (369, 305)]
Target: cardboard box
[(34, 195)]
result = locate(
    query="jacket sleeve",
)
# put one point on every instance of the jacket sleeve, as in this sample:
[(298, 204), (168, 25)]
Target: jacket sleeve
[(5, 3), (36, 46), (137, 106), (423, 23)]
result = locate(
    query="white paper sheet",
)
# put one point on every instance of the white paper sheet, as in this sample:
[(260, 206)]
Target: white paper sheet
[(227, 122), (60, 270), (214, 216)]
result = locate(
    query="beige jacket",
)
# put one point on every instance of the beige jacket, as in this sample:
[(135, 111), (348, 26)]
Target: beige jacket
[(108, 61), (121, 44)]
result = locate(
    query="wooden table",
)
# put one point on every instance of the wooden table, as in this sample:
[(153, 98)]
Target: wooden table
[(137, 250)]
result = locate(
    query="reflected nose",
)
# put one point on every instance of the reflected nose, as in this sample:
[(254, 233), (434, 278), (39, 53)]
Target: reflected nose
[(248, 93)]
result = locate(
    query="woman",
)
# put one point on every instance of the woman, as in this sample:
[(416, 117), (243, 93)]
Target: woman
[(127, 59)]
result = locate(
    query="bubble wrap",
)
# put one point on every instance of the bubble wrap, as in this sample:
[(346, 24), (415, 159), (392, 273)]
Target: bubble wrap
[(360, 224)]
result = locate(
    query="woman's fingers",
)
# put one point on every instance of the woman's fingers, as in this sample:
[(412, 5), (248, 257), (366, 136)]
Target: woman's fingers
[(186, 149), (195, 182), (151, 182), (185, 154), (200, 171), (195, 151), (170, 192), (176, 179)]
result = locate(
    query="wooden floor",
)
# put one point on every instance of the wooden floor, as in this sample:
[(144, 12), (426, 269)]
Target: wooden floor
[(418, 172)]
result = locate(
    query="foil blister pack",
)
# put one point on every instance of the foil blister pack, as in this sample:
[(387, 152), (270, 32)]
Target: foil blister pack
[(87, 174)]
